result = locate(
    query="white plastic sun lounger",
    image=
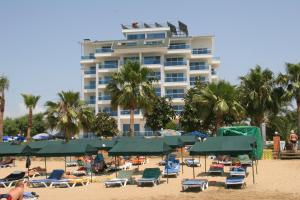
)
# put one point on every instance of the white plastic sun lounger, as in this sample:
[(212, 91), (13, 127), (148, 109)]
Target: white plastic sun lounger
[(202, 184), (123, 178)]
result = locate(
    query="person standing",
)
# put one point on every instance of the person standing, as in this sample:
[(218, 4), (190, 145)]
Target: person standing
[(294, 140)]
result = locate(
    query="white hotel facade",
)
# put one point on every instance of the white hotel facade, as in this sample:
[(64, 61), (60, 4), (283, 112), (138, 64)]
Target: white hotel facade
[(176, 59)]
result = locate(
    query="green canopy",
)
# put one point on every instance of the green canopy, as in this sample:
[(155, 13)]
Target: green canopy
[(173, 141), (140, 147), (97, 143), (188, 139), (244, 131), (37, 145), (229, 145), (8, 149), (66, 149)]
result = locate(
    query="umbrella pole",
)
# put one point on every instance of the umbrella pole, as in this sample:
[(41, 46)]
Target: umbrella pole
[(65, 164), (181, 160), (253, 173), (193, 168), (167, 168), (256, 163), (46, 167), (28, 170), (205, 162), (116, 166)]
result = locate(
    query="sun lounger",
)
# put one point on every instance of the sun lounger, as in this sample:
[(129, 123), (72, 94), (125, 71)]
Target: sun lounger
[(150, 176), (237, 171), (245, 160), (81, 171), (216, 169), (122, 179), (127, 165), (138, 161), (7, 163), (72, 164), (12, 179), (235, 181), (70, 183), (190, 162), (171, 157), (54, 176), (202, 184), (172, 169), (30, 196)]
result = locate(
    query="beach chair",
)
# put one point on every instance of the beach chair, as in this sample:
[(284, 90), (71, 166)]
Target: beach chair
[(72, 164), (245, 160), (138, 161), (69, 182), (237, 171), (150, 176), (216, 169), (12, 179), (202, 184), (54, 176), (81, 171), (170, 157), (190, 162), (7, 163), (172, 168), (30, 196), (235, 181), (122, 179)]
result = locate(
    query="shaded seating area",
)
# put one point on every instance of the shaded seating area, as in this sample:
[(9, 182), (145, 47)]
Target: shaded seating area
[(12, 179), (55, 176), (150, 176)]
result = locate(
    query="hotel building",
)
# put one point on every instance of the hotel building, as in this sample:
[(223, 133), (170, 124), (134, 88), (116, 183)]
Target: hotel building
[(176, 59)]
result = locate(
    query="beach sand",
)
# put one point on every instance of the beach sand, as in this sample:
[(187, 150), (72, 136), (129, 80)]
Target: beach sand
[(276, 179)]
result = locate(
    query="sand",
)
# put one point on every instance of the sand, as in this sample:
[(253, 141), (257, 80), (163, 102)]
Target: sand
[(276, 179)]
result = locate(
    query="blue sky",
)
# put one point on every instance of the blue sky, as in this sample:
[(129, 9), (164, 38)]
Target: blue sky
[(40, 54)]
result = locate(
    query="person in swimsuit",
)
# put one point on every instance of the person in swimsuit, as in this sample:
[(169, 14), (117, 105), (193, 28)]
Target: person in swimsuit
[(16, 193), (294, 139)]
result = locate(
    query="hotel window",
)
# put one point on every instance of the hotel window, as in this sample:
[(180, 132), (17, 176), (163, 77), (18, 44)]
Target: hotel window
[(136, 36), (156, 35), (151, 60)]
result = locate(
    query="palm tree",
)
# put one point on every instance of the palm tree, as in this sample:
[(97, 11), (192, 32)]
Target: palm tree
[(4, 85), (220, 100), (131, 89), (69, 114), (30, 102), (291, 82), (259, 94)]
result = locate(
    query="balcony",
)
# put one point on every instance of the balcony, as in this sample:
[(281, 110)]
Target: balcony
[(216, 61), (108, 66), (175, 79), (104, 81), (110, 112), (88, 57), (175, 63), (175, 95), (179, 46), (142, 43), (90, 87), (89, 72), (201, 51), (90, 101), (104, 50), (127, 112), (151, 62), (104, 98), (199, 67)]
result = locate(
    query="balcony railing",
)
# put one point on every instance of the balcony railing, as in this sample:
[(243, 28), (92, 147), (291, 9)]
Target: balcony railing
[(199, 67), (201, 51), (213, 73), (175, 95), (88, 57), (179, 46), (151, 62), (104, 81), (104, 50), (104, 97), (175, 79), (89, 87), (108, 66), (127, 112), (90, 72), (90, 101), (175, 63)]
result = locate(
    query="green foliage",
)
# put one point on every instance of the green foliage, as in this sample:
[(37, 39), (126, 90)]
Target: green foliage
[(30, 100), (131, 89), (172, 125), (211, 106), (260, 95), (20, 124), (104, 125), (69, 115), (160, 115)]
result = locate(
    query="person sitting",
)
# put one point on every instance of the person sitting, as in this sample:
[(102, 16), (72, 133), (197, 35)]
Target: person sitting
[(16, 193), (294, 140)]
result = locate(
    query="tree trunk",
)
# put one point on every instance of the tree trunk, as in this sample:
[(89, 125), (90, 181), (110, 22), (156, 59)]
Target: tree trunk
[(298, 115), (218, 122), (67, 135), (131, 122), (1, 126), (29, 124)]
